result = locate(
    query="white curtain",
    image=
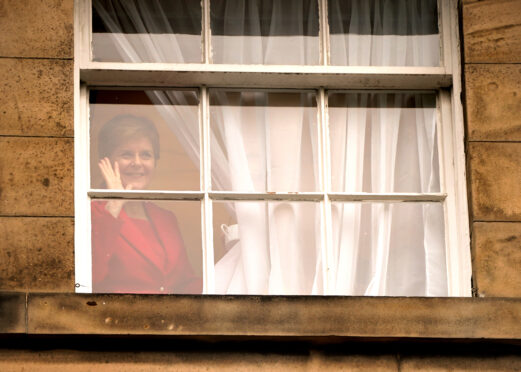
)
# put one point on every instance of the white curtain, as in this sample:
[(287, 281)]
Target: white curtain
[(283, 32), (270, 141), (384, 32), (264, 142)]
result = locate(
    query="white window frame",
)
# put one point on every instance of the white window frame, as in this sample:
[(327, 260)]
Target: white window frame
[(444, 79)]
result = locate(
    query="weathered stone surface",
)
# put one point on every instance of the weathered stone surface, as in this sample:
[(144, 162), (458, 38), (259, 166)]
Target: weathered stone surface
[(37, 254), (12, 312), (497, 259), (36, 97), (452, 318), (492, 31), (493, 98), (193, 361), (36, 176), (36, 28), (495, 181), (465, 363)]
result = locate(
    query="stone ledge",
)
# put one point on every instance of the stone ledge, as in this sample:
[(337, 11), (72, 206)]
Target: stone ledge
[(358, 317)]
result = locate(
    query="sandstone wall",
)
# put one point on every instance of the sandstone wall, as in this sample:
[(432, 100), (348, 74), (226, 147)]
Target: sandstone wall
[(37, 218)]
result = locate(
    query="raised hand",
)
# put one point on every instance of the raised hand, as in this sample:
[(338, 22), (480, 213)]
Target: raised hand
[(113, 181), (111, 175)]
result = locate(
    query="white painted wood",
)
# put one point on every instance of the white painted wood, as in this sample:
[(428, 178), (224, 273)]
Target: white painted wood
[(462, 275), (446, 34), (144, 194), (206, 33), (252, 196), (390, 197), (325, 182), (82, 236), (208, 251), (324, 33), (264, 76)]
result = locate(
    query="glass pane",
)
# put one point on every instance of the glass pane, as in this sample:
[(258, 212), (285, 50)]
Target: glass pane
[(152, 135), (267, 248), (146, 31), (265, 31), (383, 142), (384, 33), (146, 247), (263, 142), (389, 249)]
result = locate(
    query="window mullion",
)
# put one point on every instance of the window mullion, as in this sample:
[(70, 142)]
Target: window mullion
[(324, 33), (325, 186), (206, 208), (206, 33), (82, 237)]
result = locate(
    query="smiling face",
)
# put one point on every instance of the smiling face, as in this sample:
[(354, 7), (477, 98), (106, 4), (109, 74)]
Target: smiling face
[(136, 162)]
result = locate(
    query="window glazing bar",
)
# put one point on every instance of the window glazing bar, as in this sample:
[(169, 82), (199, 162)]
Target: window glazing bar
[(252, 196), (257, 76), (145, 194), (387, 197)]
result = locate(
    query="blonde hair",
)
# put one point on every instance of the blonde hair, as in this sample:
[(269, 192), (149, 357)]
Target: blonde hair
[(123, 128)]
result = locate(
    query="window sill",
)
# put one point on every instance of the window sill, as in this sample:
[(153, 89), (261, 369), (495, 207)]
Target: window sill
[(286, 316)]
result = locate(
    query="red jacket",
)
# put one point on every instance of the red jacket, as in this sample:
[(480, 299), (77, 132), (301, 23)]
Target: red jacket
[(123, 263)]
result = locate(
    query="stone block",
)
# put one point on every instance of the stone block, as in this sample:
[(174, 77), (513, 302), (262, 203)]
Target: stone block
[(493, 99), (492, 31), (192, 361), (36, 176), (12, 312), (495, 175), (461, 363), (36, 97), (497, 258), (37, 254), (36, 28)]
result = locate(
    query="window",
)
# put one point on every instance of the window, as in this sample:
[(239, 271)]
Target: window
[(273, 147)]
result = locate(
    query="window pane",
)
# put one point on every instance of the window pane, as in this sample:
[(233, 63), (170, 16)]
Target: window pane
[(146, 247), (146, 31), (263, 142), (383, 142), (389, 249), (384, 33), (265, 31), (267, 248), (153, 135)]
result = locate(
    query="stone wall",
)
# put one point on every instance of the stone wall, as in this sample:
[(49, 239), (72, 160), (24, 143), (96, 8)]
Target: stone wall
[(36, 146), (37, 214), (492, 68)]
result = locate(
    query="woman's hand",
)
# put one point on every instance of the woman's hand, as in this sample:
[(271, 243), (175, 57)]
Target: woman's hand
[(111, 175), (113, 181)]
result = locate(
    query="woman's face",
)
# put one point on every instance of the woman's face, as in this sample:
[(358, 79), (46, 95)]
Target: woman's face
[(136, 162)]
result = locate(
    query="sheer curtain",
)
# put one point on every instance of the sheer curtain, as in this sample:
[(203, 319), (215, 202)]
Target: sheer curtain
[(270, 141), (262, 143), (384, 32), (281, 32)]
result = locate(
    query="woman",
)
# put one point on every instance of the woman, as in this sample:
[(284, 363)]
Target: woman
[(136, 246)]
